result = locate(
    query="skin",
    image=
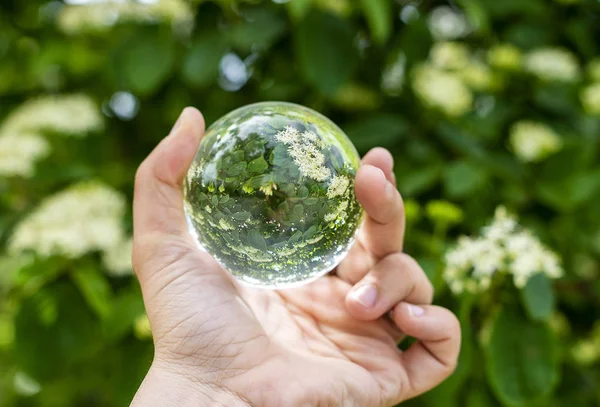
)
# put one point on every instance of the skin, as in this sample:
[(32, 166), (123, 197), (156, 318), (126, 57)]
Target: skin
[(328, 343)]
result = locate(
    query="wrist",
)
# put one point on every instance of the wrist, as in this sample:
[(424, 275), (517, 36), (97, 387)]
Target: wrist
[(164, 388)]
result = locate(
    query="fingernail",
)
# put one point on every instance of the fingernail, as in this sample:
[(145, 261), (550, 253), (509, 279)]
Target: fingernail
[(415, 311), (394, 179), (365, 294)]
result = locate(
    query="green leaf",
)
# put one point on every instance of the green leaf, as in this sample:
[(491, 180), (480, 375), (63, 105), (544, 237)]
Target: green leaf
[(538, 297), (326, 56), (295, 237), (521, 358), (566, 193), (255, 239), (385, 130), (379, 16), (94, 287), (241, 216), (260, 29), (127, 307), (236, 169), (145, 62), (258, 165), (310, 232), (445, 394), (298, 9), (201, 64), (412, 184), (45, 351), (462, 178)]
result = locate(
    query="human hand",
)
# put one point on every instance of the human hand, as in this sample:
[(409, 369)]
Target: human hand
[(332, 342)]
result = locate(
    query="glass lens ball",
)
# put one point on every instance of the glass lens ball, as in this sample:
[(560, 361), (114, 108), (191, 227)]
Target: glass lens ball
[(270, 194)]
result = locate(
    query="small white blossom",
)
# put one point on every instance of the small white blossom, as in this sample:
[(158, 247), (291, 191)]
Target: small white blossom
[(289, 135), (477, 76), (503, 247), (74, 115), (450, 55), (338, 186), (533, 141), (553, 64), (442, 90), (20, 152), (85, 217), (590, 99), (101, 16), (117, 258)]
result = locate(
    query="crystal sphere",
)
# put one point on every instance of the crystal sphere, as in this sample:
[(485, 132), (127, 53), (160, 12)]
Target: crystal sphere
[(270, 194)]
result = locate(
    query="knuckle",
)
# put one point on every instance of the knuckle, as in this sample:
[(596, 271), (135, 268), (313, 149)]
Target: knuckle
[(414, 274), (143, 172)]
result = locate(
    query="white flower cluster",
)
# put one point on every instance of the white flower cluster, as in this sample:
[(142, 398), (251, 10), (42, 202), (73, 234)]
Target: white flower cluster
[(73, 115), (439, 89), (450, 55), (447, 81), (304, 148), (533, 141), (117, 258), (504, 247), (84, 218), (590, 99), (553, 64), (21, 134), (20, 152), (102, 15)]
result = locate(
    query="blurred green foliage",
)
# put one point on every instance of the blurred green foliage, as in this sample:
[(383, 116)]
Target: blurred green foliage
[(506, 114)]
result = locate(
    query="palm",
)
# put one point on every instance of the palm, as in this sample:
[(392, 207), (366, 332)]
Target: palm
[(289, 334)]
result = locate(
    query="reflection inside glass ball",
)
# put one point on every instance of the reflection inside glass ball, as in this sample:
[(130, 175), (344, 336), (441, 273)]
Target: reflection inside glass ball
[(270, 194)]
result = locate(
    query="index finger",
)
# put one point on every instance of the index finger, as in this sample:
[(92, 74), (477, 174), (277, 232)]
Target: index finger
[(383, 229)]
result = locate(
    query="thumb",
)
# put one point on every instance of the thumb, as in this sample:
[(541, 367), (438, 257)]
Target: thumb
[(158, 215)]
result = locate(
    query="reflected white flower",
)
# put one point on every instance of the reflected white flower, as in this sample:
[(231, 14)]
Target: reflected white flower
[(533, 141), (442, 90), (305, 150), (590, 99), (102, 15), (445, 23), (83, 218), (117, 258), (503, 247), (553, 64), (19, 152), (338, 186), (74, 115)]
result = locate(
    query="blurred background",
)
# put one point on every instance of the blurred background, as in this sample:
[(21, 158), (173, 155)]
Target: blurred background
[(491, 109)]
